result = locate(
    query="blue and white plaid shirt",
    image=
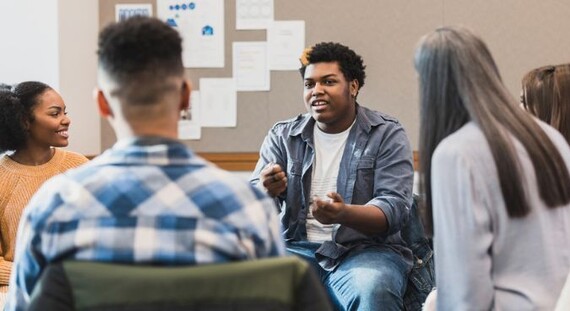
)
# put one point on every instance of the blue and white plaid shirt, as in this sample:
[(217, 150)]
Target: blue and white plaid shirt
[(147, 201)]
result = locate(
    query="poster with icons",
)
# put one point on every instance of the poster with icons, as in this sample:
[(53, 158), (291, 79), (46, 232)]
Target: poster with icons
[(124, 11), (254, 14), (201, 25)]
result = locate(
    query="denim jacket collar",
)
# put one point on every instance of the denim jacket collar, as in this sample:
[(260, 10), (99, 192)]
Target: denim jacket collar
[(364, 122)]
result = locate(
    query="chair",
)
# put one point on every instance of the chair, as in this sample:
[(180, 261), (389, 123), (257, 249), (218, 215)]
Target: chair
[(281, 283), (421, 280)]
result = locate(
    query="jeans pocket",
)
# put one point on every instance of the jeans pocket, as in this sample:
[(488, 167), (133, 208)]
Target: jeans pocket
[(422, 277)]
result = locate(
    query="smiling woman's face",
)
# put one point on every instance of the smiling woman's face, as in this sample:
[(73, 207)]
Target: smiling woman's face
[(50, 124)]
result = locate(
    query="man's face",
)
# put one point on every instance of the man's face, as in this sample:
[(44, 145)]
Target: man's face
[(329, 97)]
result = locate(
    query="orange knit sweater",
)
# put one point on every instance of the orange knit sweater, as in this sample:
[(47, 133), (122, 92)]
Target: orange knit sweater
[(18, 183)]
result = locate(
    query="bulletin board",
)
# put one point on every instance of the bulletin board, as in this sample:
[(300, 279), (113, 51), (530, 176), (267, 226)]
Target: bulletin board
[(385, 34)]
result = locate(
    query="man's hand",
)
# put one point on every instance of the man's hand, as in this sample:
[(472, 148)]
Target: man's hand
[(329, 211), (367, 219), (273, 179)]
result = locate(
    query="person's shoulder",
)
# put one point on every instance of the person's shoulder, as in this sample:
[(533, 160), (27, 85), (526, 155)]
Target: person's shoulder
[(227, 181), (292, 121), (377, 117), (291, 124), (74, 157), (4, 160), (467, 141), (556, 137), (6, 174), (552, 133), (70, 160)]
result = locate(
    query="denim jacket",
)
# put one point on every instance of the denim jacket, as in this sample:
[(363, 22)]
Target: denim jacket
[(376, 169)]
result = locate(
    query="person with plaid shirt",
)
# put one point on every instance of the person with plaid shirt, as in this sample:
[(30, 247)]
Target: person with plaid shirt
[(149, 199)]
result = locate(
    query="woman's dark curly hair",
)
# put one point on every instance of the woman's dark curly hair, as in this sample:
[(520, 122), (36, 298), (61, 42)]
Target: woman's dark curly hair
[(350, 63), (16, 106)]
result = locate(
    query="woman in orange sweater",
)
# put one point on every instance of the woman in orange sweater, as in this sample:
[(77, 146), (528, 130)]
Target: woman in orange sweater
[(33, 121)]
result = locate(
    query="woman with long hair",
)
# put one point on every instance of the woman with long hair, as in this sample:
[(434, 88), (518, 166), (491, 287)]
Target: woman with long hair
[(33, 120), (546, 94), (496, 182)]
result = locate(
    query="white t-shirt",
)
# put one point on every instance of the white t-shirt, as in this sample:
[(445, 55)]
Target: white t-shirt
[(328, 153)]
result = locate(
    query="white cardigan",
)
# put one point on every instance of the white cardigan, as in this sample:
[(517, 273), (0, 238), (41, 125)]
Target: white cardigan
[(484, 259)]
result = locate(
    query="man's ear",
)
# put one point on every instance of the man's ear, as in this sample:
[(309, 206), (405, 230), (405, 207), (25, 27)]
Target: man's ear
[(354, 88), (102, 103), (185, 95)]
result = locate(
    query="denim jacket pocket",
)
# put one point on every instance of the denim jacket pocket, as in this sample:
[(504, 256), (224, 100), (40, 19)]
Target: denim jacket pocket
[(366, 162), (365, 177)]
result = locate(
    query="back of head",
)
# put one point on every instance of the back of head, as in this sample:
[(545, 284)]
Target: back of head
[(141, 57), (351, 64), (546, 94), (460, 82), (456, 72), (16, 107), (561, 105)]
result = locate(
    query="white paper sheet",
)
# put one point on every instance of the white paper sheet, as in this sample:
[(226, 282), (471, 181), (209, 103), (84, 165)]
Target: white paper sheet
[(201, 25), (124, 11), (254, 14), (218, 101), (250, 69), (286, 42), (189, 124)]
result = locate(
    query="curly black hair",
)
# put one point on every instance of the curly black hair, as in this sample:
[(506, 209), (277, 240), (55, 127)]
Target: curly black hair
[(351, 64), (139, 55), (16, 106)]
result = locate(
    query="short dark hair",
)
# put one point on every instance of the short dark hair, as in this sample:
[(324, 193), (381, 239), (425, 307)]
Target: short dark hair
[(139, 55), (16, 106), (351, 64)]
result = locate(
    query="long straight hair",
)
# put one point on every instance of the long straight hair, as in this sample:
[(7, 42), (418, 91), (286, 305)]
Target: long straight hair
[(460, 82)]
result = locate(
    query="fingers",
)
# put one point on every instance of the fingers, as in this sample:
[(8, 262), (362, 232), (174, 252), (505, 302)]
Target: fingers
[(276, 185), (271, 169), (320, 210), (274, 179), (335, 196), (328, 211), (318, 206), (272, 173)]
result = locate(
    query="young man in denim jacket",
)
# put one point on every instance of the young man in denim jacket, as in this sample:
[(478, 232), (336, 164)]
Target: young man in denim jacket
[(342, 176)]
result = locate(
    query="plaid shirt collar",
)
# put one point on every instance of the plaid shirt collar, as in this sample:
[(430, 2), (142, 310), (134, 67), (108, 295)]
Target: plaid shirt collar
[(148, 150)]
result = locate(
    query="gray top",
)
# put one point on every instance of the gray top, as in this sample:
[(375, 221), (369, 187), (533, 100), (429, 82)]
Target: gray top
[(486, 260)]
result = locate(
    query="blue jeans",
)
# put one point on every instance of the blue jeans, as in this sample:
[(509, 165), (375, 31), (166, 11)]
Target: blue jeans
[(369, 279)]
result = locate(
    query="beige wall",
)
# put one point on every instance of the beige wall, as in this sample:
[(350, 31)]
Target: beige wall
[(521, 34), (29, 41), (54, 41), (78, 29)]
